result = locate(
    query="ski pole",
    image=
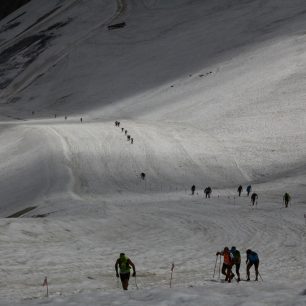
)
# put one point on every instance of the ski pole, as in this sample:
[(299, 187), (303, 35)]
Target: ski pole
[(136, 283), (215, 266), (260, 276)]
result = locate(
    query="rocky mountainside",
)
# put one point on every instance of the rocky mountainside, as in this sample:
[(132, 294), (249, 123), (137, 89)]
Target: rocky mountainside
[(9, 6)]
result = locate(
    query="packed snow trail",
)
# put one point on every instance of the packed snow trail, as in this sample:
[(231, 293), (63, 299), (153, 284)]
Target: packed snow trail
[(154, 231)]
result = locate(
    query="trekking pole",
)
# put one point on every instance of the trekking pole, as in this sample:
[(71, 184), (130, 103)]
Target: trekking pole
[(136, 283), (260, 276), (215, 266)]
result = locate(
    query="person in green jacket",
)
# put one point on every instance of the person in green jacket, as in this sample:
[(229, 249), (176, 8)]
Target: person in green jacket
[(124, 264)]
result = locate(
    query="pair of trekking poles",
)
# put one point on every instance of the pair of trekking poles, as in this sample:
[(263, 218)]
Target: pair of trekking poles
[(118, 283), (220, 268)]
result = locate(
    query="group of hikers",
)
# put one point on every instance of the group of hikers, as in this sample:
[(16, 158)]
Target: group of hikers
[(254, 196), (207, 191), (129, 138), (232, 258)]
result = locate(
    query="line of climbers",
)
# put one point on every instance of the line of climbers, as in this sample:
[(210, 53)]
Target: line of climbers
[(254, 196), (232, 258), (55, 116), (129, 138)]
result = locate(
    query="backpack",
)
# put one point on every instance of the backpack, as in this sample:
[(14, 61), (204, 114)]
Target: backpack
[(235, 256), (124, 264)]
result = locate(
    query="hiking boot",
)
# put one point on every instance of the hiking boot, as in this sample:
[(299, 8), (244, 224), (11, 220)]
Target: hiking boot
[(256, 279), (248, 279), (238, 279)]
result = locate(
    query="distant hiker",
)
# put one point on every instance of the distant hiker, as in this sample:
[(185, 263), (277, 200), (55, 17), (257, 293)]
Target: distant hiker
[(239, 190), (118, 123), (122, 129), (65, 117), (207, 192), (254, 198), (236, 260), (124, 264), (132, 140), (227, 264), (249, 189), (142, 175), (286, 199), (128, 137), (33, 112), (54, 115), (252, 259), (125, 132), (193, 187), (81, 119)]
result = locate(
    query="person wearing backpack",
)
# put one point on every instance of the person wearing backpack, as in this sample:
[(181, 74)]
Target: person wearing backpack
[(124, 264), (252, 259), (227, 264), (207, 192), (193, 187), (249, 189), (236, 260), (239, 190), (286, 199), (254, 198)]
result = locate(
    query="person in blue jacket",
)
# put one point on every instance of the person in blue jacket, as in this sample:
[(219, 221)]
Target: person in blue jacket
[(252, 259), (249, 189)]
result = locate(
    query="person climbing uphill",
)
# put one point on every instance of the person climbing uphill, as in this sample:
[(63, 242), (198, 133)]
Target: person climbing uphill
[(239, 190), (249, 189), (252, 259), (236, 260), (254, 198), (124, 264), (286, 199), (227, 264), (193, 187)]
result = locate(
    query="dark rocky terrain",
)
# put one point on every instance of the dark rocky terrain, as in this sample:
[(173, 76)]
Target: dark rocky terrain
[(9, 6)]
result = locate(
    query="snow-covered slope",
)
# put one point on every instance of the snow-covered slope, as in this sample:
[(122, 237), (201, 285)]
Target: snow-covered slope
[(212, 93)]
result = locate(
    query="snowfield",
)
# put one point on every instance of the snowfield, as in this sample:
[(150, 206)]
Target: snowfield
[(213, 94)]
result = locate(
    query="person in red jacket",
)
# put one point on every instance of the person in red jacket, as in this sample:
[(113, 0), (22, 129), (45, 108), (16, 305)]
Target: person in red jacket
[(227, 264)]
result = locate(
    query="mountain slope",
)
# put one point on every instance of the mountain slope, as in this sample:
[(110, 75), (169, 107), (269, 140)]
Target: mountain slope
[(212, 93)]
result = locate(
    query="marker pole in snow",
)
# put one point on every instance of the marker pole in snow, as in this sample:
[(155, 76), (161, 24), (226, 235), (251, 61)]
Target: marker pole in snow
[(172, 268), (45, 283), (215, 266)]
